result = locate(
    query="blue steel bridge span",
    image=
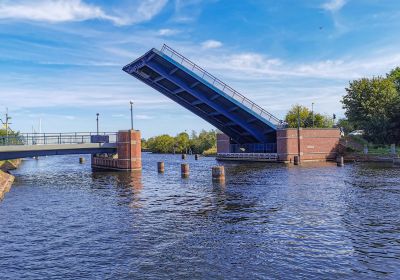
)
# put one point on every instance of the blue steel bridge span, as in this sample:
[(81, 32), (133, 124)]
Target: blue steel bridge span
[(192, 87)]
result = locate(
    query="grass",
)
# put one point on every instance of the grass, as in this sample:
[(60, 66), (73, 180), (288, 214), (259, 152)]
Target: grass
[(373, 149)]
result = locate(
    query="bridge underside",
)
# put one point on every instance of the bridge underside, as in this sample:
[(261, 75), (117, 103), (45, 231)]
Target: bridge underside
[(205, 96)]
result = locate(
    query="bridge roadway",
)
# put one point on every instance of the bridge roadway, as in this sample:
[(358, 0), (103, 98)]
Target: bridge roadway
[(50, 144), (24, 151)]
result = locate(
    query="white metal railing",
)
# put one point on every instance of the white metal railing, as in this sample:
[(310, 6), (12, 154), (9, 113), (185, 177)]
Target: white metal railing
[(56, 138), (220, 85), (265, 156)]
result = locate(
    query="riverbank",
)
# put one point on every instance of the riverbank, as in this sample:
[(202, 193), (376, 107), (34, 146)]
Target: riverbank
[(358, 157), (6, 179)]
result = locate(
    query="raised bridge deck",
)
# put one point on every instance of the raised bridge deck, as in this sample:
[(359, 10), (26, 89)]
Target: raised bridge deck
[(189, 85)]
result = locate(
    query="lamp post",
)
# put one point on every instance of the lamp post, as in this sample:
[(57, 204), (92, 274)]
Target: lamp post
[(97, 123), (131, 102), (298, 134), (312, 112)]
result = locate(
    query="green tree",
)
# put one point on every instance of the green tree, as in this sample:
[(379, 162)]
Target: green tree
[(345, 125), (394, 76), (306, 118), (182, 142), (161, 144), (370, 105)]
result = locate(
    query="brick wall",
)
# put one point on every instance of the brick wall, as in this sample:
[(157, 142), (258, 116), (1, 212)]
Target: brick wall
[(129, 153), (315, 144)]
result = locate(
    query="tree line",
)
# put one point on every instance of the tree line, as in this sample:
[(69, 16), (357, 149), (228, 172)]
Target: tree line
[(373, 105), (205, 141)]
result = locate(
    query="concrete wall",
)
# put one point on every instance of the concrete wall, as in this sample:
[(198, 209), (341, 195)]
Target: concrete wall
[(315, 144), (223, 142)]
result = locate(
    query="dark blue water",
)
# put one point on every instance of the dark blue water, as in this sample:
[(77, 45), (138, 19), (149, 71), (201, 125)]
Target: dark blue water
[(62, 221)]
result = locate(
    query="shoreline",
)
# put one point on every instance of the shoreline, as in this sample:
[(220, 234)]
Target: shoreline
[(6, 179)]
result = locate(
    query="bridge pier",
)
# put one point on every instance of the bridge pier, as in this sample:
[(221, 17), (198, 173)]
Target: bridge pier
[(129, 154)]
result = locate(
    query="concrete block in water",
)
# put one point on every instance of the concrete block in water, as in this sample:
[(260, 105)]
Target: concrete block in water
[(185, 170), (218, 173)]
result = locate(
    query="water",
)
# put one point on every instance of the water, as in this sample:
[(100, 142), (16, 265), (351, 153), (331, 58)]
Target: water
[(62, 221)]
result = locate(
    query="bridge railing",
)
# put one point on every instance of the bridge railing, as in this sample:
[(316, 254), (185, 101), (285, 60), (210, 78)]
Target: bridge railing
[(221, 85), (57, 138)]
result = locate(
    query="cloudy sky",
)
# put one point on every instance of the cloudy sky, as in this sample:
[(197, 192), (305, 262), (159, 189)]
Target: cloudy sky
[(61, 60)]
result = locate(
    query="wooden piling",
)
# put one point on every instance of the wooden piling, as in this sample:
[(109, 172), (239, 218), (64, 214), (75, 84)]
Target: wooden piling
[(196, 156), (81, 160), (218, 173), (296, 160), (183, 156), (160, 167), (185, 170)]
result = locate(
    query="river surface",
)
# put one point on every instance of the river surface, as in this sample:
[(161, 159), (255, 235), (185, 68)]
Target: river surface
[(268, 221)]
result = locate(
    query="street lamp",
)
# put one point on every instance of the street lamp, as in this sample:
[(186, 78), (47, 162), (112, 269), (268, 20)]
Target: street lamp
[(97, 123), (312, 112), (131, 102)]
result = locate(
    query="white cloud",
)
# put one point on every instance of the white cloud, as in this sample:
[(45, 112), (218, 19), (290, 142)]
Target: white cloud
[(334, 5), (76, 10), (148, 9), (211, 44), (118, 116), (168, 32), (143, 117)]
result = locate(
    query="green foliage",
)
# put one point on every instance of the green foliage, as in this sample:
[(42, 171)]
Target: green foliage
[(181, 143), (373, 105), (204, 141), (306, 118), (161, 144), (394, 76), (345, 125), (210, 152), (3, 132)]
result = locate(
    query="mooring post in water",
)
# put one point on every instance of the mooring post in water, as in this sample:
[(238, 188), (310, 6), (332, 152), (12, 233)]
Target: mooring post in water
[(340, 161), (160, 167), (296, 160), (81, 160), (196, 156), (183, 156), (393, 149), (218, 173), (365, 149), (185, 170)]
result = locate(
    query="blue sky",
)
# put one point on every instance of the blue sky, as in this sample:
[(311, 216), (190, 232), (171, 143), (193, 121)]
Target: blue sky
[(61, 60)]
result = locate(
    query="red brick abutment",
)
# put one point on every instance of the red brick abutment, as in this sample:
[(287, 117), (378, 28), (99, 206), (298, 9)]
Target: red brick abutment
[(128, 156), (305, 144)]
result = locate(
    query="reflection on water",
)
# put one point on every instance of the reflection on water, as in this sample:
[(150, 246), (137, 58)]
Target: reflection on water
[(266, 221)]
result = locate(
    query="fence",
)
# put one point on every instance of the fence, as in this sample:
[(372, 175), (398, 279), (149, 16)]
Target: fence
[(58, 138)]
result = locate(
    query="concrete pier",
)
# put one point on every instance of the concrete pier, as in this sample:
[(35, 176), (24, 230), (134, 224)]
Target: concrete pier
[(129, 153), (185, 170), (296, 160), (160, 167), (218, 173)]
